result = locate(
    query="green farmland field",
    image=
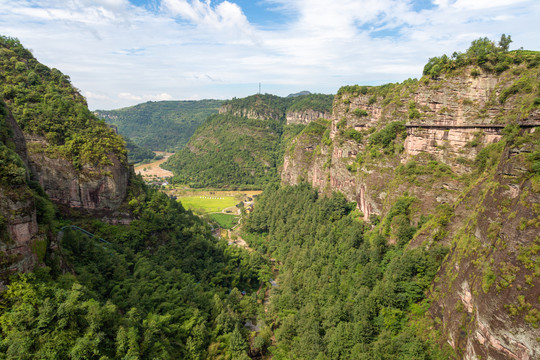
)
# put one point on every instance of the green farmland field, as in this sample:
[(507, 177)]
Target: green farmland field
[(208, 204), (226, 221)]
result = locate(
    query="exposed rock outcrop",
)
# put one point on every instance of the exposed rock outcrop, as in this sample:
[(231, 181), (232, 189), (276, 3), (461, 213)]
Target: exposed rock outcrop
[(19, 238), (486, 294), (87, 188), (305, 117), (251, 113), (449, 120)]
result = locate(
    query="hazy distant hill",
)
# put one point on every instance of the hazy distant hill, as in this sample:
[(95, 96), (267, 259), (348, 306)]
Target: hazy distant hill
[(162, 125), (305, 92)]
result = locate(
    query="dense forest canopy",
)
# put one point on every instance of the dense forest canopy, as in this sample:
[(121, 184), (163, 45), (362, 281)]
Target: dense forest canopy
[(276, 107), (229, 151), (163, 287), (344, 291)]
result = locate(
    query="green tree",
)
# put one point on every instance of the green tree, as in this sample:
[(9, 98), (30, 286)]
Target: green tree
[(504, 42), (237, 343)]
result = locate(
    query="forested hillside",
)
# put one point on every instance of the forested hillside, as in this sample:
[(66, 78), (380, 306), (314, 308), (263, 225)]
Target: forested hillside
[(229, 151), (405, 226), (137, 154), (161, 288), (243, 146), (161, 125), (45, 104), (87, 277)]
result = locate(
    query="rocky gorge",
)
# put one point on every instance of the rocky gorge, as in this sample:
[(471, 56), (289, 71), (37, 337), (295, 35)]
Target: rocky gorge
[(426, 139)]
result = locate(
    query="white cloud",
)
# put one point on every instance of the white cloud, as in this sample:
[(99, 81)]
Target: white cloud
[(484, 4), (129, 96), (120, 54), (159, 97), (225, 17), (147, 97), (95, 96)]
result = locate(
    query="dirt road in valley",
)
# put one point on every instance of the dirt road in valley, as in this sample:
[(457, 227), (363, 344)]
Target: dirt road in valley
[(153, 169)]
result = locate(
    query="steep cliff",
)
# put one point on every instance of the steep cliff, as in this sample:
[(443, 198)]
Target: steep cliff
[(75, 157), (21, 244), (301, 109), (447, 120), (463, 146), (88, 187), (305, 116), (486, 295), (51, 148)]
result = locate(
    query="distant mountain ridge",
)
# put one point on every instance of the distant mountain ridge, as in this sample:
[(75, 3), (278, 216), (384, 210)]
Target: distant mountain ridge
[(305, 92), (242, 146), (161, 125)]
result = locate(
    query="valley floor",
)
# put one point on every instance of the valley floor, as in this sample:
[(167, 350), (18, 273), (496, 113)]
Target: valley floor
[(153, 170)]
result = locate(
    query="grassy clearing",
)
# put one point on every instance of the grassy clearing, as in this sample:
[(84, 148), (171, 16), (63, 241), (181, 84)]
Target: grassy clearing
[(208, 204), (226, 221)]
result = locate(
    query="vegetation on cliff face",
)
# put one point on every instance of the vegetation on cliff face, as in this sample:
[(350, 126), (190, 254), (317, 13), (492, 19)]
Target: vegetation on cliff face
[(407, 154), (44, 103), (161, 125), (12, 170)]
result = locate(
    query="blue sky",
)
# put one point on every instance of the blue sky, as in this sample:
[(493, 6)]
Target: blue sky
[(123, 52)]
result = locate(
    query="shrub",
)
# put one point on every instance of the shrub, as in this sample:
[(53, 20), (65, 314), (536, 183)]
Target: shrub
[(385, 136), (360, 112), (475, 72), (413, 112), (353, 135)]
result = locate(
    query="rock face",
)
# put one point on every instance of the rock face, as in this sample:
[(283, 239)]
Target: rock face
[(455, 118), (90, 189), (19, 238), (252, 113), (487, 285), (305, 117), (442, 126)]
